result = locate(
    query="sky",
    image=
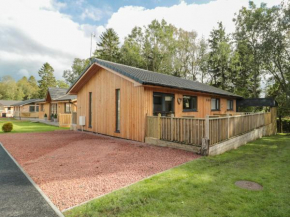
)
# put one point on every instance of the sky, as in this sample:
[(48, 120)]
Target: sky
[(33, 32)]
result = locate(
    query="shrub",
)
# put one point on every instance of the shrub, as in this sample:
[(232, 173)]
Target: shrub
[(7, 127), (45, 115), (55, 116)]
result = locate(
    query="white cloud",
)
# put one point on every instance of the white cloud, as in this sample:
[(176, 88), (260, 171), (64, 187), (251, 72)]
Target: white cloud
[(92, 13), (23, 72), (33, 32), (199, 17)]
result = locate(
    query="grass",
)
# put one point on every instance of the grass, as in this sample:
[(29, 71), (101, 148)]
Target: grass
[(206, 186), (27, 126)]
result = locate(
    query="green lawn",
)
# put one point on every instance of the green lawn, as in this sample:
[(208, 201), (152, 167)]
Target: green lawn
[(205, 187), (27, 126)]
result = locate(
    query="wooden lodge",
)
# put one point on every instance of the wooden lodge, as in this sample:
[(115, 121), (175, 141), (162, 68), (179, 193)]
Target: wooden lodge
[(115, 99), (6, 108), (27, 108)]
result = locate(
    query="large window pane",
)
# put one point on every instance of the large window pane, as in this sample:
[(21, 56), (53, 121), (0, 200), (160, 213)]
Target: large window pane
[(163, 103), (215, 104), (32, 108), (189, 103), (67, 107)]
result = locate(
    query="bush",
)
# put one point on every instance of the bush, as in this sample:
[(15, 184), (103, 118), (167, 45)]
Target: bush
[(45, 115), (55, 116), (7, 127)]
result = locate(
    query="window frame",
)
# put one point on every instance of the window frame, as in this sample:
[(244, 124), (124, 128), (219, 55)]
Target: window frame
[(231, 105), (163, 95), (217, 102), (191, 104), (32, 106), (118, 110), (65, 111), (90, 116)]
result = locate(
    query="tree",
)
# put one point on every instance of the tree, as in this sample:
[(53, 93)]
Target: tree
[(61, 84), (34, 87), (47, 79), (219, 57), (132, 49), (9, 89), (250, 23), (77, 68), (108, 47)]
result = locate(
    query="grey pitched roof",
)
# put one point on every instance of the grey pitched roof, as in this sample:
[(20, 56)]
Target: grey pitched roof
[(59, 94), (8, 102), (29, 101), (146, 77)]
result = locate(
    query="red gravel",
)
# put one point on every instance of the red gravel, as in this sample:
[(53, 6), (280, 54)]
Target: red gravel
[(73, 167)]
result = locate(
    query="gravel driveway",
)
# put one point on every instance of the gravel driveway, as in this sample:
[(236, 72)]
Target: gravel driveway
[(73, 167)]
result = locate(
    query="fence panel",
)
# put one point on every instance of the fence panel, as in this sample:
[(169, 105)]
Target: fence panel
[(64, 120), (152, 127), (221, 129), (182, 130)]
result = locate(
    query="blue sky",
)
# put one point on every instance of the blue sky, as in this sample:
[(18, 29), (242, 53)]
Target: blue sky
[(75, 8), (33, 32)]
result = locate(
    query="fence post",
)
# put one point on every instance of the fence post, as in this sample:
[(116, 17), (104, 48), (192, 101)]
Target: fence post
[(205, 141), (228, 126), (159, 126), (171, 126)]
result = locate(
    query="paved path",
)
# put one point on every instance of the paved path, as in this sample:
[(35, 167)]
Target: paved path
[(18, 196)]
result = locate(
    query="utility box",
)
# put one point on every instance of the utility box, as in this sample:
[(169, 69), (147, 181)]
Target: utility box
[(82, 120)]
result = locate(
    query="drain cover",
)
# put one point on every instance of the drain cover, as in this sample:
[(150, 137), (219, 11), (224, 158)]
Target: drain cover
[(253, 186)]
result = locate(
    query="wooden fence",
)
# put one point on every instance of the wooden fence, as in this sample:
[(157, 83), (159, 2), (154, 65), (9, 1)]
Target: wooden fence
[(192, 131), (65, 120)]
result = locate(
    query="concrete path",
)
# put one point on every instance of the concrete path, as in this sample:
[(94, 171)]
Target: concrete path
[(18, 196)]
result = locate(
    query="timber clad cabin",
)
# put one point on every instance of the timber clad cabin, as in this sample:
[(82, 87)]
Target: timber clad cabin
[(6, 108), (27, 108), (115, 99), (57, 102)]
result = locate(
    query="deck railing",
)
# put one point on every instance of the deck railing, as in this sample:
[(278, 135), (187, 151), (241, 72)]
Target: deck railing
[(192, 131)]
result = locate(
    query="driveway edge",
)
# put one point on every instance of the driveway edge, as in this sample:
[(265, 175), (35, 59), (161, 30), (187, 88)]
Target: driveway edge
[(57, 211)]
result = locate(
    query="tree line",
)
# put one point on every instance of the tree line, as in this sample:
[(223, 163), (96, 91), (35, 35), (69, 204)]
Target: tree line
[(30, 88), (258, 49)]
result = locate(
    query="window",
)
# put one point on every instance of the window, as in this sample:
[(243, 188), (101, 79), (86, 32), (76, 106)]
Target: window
[(42, 108), (230, 105), (67, 108), (189, 103), (90, 109), (118, 110), (32, 108), (163, 103), (9, 108), (53, 108), (37, 108), (215, 104)]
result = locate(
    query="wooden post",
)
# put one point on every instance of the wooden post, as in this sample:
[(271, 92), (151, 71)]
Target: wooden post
[(171, 127), (228, 126), (205, 141), (159, 126)]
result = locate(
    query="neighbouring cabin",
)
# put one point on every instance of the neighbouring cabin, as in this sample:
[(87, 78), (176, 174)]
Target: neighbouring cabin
[(115, 99), (58, 103), (6, 108), (27, 108)]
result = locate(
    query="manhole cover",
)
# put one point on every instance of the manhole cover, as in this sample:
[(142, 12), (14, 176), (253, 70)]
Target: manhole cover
[(253, 186)]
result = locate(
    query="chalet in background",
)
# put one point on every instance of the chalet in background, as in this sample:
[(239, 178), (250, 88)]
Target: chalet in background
[(6, 108), (115, 99), (57, 102), (27, 108)]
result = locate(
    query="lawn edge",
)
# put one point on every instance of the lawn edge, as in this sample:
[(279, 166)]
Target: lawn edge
[(57, 211), (149, 177)]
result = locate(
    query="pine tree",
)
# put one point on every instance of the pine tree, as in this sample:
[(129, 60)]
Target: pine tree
[(108, 47), (47, 79)]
